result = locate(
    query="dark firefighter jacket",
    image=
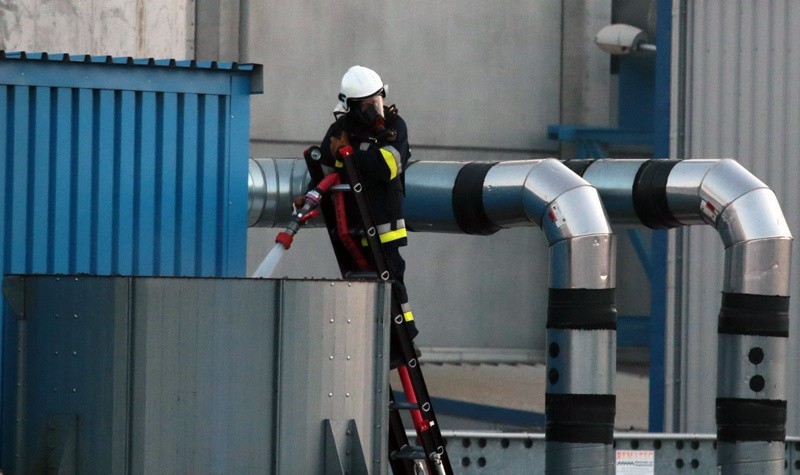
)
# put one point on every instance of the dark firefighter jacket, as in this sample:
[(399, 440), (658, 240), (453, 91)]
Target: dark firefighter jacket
[(381, 165)]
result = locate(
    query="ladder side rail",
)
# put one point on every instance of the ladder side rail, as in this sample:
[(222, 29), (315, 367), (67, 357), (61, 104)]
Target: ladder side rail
[(430, 437)]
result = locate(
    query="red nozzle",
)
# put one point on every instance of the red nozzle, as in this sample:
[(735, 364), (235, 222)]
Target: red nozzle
[(285, 239)]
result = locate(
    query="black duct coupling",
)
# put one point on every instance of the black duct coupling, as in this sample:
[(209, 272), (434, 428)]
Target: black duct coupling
[(580, 418), (749, 314), (751, 420), (468, 206), (650, 194), (582, 309), (578, 165)]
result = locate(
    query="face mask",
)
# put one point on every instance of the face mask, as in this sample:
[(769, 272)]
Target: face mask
[(369, 112)]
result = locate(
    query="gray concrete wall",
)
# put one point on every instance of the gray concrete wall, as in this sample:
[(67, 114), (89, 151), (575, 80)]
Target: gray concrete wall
[(142, 28), (468, 77)]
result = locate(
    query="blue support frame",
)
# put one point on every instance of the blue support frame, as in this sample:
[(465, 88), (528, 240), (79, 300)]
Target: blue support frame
[(591, 143)]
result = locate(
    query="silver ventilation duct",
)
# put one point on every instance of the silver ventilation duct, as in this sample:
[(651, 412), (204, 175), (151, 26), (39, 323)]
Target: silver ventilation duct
[(481, 198), (753, 321)]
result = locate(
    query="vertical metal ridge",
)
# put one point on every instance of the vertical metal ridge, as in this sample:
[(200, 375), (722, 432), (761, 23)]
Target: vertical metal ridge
[(18, 202), (30, 178), (159, 182), (39, 239), (146, 181), (208, 204), (223, 178), (280, 318), (7, 105), (127, 183), (51, 182), (188, 186), (95, 177), (83, 160), (116, 158), (167, 189), (179, 182), (62, 172), (198, 185), (783, 116), (205, 186), (137, 173)]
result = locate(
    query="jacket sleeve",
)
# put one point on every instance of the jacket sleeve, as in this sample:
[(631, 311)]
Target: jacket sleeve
[(385, 161)]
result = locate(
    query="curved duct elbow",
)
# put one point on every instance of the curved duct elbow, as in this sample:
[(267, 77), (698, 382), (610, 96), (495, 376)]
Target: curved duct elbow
[(747, 216), (483, 197), (545, 193), (670, 193), (725, 195)]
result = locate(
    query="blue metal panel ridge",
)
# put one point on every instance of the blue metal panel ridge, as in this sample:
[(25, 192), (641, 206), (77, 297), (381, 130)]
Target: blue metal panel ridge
[(254, 70), (85, 58)]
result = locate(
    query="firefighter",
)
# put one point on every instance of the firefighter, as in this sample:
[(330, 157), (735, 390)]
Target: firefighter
[(379, 139)]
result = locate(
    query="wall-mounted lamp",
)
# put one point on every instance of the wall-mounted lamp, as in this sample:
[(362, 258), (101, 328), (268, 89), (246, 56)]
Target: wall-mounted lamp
[(622, 39)]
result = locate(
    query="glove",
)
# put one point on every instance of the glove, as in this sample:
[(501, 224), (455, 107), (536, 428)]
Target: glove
[(299, 201), (343, 140)]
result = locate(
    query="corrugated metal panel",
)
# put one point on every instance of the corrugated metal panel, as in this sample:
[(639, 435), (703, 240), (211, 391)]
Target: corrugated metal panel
[(741, 101), (121, 166), (109, 167)]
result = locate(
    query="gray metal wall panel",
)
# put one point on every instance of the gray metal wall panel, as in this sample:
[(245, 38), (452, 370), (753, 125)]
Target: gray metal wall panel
[(326, 341), (204, 375), (741, 102), (169, 375), (77, 364)]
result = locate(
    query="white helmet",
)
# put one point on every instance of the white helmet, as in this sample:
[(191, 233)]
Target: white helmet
[(358, 83)]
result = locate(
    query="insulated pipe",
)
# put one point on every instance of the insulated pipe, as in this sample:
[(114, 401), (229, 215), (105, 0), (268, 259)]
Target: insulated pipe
[(753, 323), (481, 198), (272, 184)]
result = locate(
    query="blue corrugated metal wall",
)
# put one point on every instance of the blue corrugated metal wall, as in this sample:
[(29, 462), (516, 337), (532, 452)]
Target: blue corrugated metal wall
[(121, 166)]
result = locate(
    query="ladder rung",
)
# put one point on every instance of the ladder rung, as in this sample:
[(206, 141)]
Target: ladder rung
[(409, 452), (362, 275), (394, 406)]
